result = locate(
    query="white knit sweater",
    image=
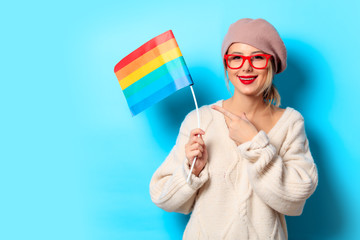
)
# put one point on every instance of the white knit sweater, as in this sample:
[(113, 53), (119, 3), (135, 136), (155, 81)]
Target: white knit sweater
[(244, 191)]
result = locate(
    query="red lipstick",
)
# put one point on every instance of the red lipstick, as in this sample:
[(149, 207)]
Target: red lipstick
[(247, 79)]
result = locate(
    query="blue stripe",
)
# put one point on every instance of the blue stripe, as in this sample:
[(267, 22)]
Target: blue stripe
[(161, 94)]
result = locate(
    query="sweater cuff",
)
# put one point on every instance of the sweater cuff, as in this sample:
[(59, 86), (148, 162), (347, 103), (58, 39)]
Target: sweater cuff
[(259, 141), (195, 182)]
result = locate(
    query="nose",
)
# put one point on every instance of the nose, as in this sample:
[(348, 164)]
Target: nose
[(246, 66)]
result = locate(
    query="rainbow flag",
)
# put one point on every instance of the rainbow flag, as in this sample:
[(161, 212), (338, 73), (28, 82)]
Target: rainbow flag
[(152, 72)]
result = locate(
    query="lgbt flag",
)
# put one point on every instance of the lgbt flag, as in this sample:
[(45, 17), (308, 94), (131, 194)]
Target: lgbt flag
[(152, 72)]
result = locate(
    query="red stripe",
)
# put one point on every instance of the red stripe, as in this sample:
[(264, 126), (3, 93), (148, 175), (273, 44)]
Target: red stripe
[(144, 48)]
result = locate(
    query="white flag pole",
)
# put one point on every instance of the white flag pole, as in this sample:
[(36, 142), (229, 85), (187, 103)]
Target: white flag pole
[(198, 122)]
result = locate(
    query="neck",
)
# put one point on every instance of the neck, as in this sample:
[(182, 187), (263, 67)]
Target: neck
[(251, 105)]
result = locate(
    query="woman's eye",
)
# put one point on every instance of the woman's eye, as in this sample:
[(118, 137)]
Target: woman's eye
[(258, 57), (236, 57)]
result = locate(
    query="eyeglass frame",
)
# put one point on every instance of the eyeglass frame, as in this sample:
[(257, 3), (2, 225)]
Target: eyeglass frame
[(267, 56)]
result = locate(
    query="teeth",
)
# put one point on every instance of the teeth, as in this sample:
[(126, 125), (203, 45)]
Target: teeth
[(247, 79)]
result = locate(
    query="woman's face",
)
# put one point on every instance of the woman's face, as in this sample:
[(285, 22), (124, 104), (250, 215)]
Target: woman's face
[(246, 80)]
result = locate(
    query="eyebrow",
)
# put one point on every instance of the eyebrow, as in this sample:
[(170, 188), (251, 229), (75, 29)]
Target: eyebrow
[(251, 53)]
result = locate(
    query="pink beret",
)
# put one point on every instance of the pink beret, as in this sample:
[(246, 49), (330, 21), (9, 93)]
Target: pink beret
[(260, 34)]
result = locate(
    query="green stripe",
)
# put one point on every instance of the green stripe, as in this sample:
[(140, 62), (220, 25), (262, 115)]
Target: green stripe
[(154, 75)]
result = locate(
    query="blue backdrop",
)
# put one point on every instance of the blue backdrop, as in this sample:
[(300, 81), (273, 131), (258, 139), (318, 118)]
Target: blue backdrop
[(75, 165)]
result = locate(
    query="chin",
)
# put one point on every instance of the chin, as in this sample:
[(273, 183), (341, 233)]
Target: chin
[(248, 91)]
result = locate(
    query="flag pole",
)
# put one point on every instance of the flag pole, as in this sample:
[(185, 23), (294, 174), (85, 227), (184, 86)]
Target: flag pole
[(198, 123)]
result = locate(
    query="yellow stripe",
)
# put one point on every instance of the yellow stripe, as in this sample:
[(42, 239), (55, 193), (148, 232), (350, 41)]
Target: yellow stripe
[(149, 67), (146, 57)]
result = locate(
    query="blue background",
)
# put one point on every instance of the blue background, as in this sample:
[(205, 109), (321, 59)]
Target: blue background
[(74, 164)]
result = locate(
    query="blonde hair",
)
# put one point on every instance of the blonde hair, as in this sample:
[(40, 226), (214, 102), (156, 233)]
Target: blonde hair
[(269, 91)]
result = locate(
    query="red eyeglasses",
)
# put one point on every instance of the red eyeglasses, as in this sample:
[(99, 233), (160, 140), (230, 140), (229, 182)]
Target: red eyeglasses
[(257, 61)]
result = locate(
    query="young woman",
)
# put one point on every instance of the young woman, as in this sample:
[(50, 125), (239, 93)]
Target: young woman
[(253, 159)]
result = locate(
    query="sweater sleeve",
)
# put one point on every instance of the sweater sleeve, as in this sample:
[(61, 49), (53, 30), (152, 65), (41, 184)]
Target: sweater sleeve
[(168, 187), (283, 181)]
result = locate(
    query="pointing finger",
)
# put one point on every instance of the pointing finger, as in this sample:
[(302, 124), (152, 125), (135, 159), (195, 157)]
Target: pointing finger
[(243, 116), (225, 112)]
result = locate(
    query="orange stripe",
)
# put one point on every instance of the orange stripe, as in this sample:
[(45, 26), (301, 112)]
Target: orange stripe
[(147, 57), (148, 67)]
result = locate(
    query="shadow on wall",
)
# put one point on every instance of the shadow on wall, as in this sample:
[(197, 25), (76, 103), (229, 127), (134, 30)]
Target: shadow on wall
[(298, 86)]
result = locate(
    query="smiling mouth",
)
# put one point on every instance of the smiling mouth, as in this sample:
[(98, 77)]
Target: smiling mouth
[(247, 79)]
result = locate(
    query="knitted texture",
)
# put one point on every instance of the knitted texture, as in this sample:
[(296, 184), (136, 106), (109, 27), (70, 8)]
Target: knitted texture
[(244, 191)]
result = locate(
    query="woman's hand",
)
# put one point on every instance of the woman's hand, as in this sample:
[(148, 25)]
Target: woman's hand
[(240, 128), (196, 148)]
